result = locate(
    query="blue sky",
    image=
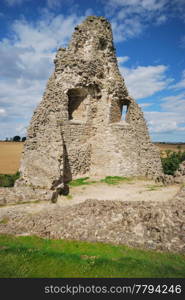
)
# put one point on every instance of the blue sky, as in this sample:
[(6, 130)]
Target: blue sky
[(149, 36)]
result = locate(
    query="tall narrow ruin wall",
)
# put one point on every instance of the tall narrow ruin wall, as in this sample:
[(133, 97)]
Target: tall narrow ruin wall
[(77, 128)]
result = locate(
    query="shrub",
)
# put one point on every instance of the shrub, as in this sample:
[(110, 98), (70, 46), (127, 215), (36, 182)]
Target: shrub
[(172, 161), (7, 180)]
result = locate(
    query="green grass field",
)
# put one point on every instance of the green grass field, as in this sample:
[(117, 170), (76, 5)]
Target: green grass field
[(35, 257)]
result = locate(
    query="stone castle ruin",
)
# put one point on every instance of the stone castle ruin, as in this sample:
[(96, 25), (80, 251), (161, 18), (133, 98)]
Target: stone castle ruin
[(77, 130)]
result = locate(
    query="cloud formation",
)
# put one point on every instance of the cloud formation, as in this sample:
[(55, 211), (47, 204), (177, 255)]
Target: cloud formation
[(134, 16), (144, 81), (2, 112), (26, 62), (181, 84), (171, 117)]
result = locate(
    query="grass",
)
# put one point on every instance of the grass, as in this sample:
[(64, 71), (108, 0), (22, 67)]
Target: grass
[(81, 181), (8, 180), (31, 257), (5, 220), (154, 187), (107, 179), (114, 179)]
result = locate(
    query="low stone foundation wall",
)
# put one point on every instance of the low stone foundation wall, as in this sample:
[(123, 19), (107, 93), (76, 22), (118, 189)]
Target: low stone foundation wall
[(23, 194), (157, 226)]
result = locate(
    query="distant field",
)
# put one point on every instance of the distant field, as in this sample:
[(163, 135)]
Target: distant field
[(10, 155), (173, 147)]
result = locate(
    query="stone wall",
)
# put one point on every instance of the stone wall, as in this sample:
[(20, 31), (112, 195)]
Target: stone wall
[(77, 129), (150, 225)]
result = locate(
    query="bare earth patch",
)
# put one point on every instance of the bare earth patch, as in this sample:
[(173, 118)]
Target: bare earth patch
[(135, 190)]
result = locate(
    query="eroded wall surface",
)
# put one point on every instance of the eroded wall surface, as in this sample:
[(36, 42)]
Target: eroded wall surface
[(77, 129)]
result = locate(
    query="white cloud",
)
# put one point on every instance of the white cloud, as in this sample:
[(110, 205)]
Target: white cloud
[(161, 19), (144, 81), (129, 28), (34, 44), (174, 98), (175, 103), (54, 4), (161, 122), (146, 104), (122, 59), (47, 34), (19, 101), (179, 8), (21, 129), (25, 65), (134, 16), (180, 84), (142, 4), (2, 112), (170, 119), (7, 131)]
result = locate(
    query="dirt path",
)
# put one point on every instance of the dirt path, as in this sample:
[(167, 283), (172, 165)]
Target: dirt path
[(136, 190)]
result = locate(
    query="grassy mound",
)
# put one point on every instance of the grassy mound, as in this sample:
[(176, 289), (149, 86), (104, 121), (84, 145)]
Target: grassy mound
[(35, 257)]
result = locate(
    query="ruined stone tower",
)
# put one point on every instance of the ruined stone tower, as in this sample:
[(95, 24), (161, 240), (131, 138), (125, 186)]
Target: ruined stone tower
[(77, 130)]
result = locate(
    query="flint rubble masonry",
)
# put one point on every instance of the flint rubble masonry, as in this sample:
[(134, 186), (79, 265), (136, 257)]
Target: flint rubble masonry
[(77, 130)]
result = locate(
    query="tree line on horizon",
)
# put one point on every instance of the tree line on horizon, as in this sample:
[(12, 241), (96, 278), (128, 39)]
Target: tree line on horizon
[(16, 138)]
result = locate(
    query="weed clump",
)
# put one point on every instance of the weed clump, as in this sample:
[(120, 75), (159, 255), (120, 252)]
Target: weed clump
[(79, 181), (114, 179), (7, 180)]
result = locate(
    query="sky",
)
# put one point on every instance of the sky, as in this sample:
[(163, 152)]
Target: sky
[(149, 37)]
